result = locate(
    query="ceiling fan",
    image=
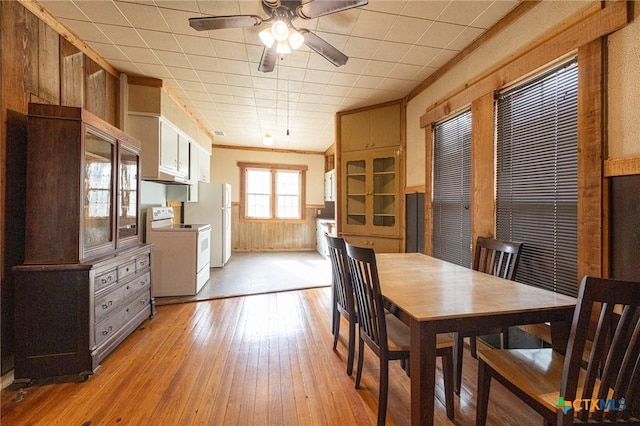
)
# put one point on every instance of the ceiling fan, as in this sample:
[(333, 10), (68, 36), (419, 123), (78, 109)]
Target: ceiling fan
[(283, 36)]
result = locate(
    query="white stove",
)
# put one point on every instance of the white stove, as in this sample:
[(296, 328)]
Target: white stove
[(181, 255)]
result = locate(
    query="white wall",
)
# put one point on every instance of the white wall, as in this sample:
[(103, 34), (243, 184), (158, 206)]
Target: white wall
[(224, 168)]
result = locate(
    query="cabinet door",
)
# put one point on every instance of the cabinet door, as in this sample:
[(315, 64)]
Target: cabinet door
[(370, 204), (168, 148), (204, 166), (354, 131), (98, 191), (128, 197), (183, 156), (384, 127)]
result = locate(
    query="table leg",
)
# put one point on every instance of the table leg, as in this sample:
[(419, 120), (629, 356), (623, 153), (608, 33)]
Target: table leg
[(423, 372), (560, 333)]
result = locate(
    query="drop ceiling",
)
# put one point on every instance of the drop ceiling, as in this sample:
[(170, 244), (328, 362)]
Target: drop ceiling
[(392, 46)]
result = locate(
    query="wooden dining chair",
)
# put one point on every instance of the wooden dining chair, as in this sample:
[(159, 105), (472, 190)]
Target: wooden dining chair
[(495, 257), (604, 372), (384, 333), (343, 298)]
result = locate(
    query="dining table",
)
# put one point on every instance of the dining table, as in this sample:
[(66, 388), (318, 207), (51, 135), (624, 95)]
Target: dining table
[(433, 296)]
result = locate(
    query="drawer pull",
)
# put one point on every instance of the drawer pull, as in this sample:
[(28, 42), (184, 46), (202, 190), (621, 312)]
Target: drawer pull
[(107, 304), (106, 279), (107, 331)]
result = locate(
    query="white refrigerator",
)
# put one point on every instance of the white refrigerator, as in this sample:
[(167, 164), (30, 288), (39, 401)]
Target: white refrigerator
[(214, 207)]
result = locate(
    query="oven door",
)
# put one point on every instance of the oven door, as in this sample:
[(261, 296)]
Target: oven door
[(204, 248)]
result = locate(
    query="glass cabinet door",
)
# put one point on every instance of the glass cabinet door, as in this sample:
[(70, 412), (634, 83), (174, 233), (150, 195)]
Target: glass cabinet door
[(384, 191), (98, 192), (356, 188), (128, 195)]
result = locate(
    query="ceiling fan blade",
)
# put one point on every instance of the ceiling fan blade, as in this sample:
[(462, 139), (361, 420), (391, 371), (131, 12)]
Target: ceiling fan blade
[(323, 48), (268, 60), (221, 22), (314, 9)]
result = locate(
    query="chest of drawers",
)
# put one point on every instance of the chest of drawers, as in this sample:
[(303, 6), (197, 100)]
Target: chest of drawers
[(70, 317)]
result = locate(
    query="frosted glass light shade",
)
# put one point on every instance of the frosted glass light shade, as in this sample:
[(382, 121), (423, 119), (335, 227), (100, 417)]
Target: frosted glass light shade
[(267, 38), (280, 30), (295, 39)]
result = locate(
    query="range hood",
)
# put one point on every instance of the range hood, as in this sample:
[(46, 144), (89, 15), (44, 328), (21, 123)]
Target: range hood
[(166, 178)]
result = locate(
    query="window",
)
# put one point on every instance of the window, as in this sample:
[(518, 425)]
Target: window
[(451, 237), (272, 191), (537, 177)]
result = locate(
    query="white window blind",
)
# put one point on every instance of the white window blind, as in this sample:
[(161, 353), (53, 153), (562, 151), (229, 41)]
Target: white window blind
[(537, 181), (451, 237)]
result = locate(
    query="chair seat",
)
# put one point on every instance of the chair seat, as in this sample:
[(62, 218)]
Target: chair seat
[(536, 372), (398, 334)]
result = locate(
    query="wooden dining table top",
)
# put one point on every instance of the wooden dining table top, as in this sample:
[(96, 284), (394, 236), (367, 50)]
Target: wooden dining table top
[(431, 289)]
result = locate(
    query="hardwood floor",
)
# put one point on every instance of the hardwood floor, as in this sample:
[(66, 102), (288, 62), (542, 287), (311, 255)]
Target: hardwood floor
[(263, 359)]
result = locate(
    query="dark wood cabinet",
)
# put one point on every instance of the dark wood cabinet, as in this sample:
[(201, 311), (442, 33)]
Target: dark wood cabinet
[(85, 284)]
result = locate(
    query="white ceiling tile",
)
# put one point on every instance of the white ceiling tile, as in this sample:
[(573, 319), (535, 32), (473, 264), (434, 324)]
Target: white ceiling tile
[(440, 34), (192, 86), (241, 91), (393, 7), (466, 37), (373, 25), (425, 9), (217, 89), (141, 54), (238, 80), (64, 9), (102, 12), (368, 82), (420, 55), (86, 31), (442, 58), (155, 71), (183, 5), (198, 96), (160, 40), (408, 30), (405, 71), (143, 16), (315, 76), (391, 52), (195, 45), (205, 63), (210, 77), (172, 59), (229, 50), (464, 12), (122, 36), (341, 23), (359, 47), (494, 13), (378, 68), (342, 79), (178, 21), (109, 51), (186, 74), (235, 67)]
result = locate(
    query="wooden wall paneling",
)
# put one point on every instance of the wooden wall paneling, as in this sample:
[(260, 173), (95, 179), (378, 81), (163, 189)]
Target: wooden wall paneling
[(112, 100), (48, 64), (483, 204), (95, 87), (19, 48), (71, 74), (590, 155), (622, 166), (428, 189)]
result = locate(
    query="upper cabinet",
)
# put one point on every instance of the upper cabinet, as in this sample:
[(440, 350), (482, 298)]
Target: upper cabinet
[(83, 178), (371, 129), (330, 185), (174, 150)]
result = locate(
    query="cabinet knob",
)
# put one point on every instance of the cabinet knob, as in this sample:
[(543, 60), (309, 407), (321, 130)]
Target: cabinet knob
[(106, 305)]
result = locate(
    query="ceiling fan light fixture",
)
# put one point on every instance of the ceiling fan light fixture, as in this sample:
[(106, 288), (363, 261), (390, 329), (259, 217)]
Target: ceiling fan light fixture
[(267, 37), (283, 47), (295, 39), (280, 30)]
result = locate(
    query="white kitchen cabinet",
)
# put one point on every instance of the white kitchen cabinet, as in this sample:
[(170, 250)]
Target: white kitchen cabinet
[(330, 185), (174, 150), (204, 166)]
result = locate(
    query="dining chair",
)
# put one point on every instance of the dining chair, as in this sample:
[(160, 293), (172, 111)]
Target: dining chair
[(495, 257), (597, 381), (384, 333), (343, 298)]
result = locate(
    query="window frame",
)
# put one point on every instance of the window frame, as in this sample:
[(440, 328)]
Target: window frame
[(273, 169)]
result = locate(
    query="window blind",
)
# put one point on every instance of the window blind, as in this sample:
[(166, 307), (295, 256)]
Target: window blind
[(537, 180), (451, 237)]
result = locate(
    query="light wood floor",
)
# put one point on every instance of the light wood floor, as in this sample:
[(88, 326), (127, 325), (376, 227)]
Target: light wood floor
[(263, 359)]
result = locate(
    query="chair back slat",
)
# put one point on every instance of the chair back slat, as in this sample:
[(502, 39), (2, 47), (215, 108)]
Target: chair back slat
[(496, 257), (613, 363), (343, 290), (364, 277)]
